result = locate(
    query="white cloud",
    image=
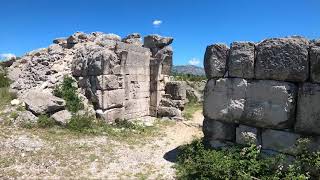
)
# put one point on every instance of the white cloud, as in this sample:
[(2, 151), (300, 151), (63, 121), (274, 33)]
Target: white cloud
[(194, 61), (7, 56), (157, 23)]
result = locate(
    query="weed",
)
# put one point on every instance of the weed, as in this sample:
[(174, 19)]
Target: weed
[(190, 108), (45, 122), (81, 123), (68, 92), (14, 115)]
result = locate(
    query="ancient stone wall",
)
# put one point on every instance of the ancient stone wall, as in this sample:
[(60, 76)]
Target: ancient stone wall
[(269, 90), (121, 78)]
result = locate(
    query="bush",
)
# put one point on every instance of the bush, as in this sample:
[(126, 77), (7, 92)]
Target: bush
[(81, 123), (68, 92), (240, 162), (45, 122), (188, 77), (6, 96), (4, 80)]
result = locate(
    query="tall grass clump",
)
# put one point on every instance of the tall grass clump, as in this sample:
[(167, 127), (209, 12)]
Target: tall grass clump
[(67, 91)]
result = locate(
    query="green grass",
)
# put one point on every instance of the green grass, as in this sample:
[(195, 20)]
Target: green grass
[(190, 108), (45, 122), (195, 161), (6, 96)]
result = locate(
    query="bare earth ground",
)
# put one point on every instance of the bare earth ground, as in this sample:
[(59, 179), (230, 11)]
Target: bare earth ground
[(60, 154)]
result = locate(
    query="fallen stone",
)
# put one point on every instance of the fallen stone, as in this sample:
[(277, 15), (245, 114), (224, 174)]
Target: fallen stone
[(111, 115), (315, 64), (241, 60), (168, 112), (283, 59), (62, 117), (308, 109), (43, 102), (15, 102), (25, 118), (281, 141), (215, 60)]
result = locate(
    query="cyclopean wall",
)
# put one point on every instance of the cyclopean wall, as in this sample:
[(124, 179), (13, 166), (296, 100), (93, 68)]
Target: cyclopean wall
[(269, 90)]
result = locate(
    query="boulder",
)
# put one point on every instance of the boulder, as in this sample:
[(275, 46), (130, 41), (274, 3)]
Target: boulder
[(77, 37), (315, 64), (270, 104), (134, 38), (241, 60), (224, 99), (62, 117), (166, 102), (168, 112), (247, 134), (156, 41), (283, 59), (177, 90), (111, 115), (25, 118), (40, 102), (281, 141), (60, 41), (308, 109), (215, 60), (111, 99), (215, 130)]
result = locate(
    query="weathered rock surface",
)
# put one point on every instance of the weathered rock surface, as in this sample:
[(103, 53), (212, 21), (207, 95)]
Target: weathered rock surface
[(177, 90), (247, 134), (43, 102), (241, 60), (315, 64), (308, 109), (280, 141), (134, 38), (215, 60), (168, 112), (224, 99), (156, 41), (218, 131), (25, 118), (284, 59), (62, 117), (270, 104)]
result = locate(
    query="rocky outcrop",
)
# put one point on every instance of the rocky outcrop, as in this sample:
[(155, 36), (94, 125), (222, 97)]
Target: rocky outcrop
[(121, 78), (268, 89)]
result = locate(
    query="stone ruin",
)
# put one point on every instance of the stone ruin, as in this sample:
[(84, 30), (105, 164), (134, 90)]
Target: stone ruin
[(116, 78), (268, 91)]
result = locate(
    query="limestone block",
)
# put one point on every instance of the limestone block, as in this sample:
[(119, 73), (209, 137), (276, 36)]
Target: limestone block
[(137, 77), (137, 105), (216, 130), (168, 112), (62, 117), (137, 59), (308, 109), (280, 141), (224, 99), (101, 62), (215, 60), (109, 82), (139, 70), (111, 115), (125, 47), (270, 104), (315, 64), (247, 134), (40, 102), (241, 60), (284, 59), (156, 41), (177, 90), (166, 65), (111, 99)]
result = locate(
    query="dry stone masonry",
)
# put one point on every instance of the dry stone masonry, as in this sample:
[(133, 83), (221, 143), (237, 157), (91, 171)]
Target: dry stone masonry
[(116, 78), (268, 90)]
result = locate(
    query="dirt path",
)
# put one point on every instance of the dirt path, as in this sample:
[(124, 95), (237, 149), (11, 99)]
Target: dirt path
[(30, 154)]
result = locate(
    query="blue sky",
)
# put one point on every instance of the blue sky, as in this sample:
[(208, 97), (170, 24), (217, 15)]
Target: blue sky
[(30, 24)]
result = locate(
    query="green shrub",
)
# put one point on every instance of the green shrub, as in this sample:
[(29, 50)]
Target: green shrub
[(241, 162), (68, 92), (6, 96), (4, 80), (81, 123), (188, 77), (45, 122)]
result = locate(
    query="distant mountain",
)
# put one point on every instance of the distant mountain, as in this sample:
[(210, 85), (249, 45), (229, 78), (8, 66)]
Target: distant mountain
[(188, 69)]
